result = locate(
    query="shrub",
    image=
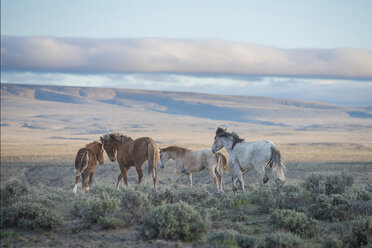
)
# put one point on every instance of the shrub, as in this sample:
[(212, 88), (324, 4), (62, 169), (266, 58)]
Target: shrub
[(230, 238), (177, 221), (278, 196), (195, 196), (331, 208), (223, 238), (361, 233), (332, 243), (13, 190), (333, 184), (263, 197), (293, 221), (362, 208), (199, 196), (290, 197), (336, 184), (136, 204), (157, 197), (245, 241), (111, 223), (361, 200), (30, 215), (210, 213), (93, 208), (42, 200), (281, 240), (314, 184), (368, 187), (101, 189), (355, 193)]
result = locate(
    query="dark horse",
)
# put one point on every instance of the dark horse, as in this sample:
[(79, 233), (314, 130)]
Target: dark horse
[(131, 152), (86, 162)]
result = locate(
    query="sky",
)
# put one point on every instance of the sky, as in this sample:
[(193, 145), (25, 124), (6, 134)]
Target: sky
[(301, 50)]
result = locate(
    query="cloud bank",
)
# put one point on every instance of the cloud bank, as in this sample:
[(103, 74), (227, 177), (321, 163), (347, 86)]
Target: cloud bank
[(204, 57)]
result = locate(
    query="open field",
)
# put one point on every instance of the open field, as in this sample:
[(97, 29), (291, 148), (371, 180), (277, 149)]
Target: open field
[(43, 127)]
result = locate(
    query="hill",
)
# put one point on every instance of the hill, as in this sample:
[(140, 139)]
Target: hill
[(82, 113)]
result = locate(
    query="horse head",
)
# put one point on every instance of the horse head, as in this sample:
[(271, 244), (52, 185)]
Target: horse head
[(100, 154), (109, 147), (217, 144), (163, 159)]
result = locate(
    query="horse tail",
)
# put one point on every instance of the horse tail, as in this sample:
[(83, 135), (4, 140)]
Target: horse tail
[(81, 161), (153, 159), (221, 163), (276, 163)]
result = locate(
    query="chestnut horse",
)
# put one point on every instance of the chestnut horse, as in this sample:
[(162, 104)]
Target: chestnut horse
[(86, 162), (131, 152)]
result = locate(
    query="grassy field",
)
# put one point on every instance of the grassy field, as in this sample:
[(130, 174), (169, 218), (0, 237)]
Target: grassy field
[(46, 173)]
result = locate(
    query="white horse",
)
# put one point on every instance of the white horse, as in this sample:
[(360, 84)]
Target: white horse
[(245, 156), (187, 161)]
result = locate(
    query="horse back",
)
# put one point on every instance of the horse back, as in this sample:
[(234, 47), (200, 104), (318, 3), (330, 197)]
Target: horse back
[(253, 153), (135, 151)]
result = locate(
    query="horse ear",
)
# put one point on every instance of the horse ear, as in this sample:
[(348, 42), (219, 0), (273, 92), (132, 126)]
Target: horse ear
[(101, 139)]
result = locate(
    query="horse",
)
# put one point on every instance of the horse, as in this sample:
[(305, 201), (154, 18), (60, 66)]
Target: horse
[(187, 161), (129, 152), (245, 156), (86, 163)]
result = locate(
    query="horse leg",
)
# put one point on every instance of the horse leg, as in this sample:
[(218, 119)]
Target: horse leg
[(119, 179), (175, 175), (84, 182), (126, 177), (233, 180), (239, 174), (155, 176), (190, 180), (264, 177), (139, 172), (90, 180), (219, 176), (214, 178), (77, 178)]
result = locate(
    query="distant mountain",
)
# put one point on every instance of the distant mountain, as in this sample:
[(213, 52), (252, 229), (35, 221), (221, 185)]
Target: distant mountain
[(255, 110), (237, 108)]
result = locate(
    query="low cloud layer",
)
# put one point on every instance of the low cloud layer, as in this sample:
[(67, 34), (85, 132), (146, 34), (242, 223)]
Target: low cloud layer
[(150, 55), (343, 92)]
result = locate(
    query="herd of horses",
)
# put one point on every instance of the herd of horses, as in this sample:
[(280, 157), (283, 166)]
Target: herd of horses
[(243, 156)]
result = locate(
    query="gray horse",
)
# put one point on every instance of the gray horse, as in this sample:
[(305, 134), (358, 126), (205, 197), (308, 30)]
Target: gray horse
[(245, 156)]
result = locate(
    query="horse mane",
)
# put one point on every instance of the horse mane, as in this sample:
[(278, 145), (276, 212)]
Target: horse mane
[(220, 132), (117, 136), (177, 149), (92, 144), (236, 139)]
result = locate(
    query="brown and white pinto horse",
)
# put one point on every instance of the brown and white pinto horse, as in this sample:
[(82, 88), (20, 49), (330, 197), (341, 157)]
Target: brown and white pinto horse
[(86, 162), (129, 152)]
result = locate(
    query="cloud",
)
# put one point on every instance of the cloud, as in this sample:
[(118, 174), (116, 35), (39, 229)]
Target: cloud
[(198, 57)]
